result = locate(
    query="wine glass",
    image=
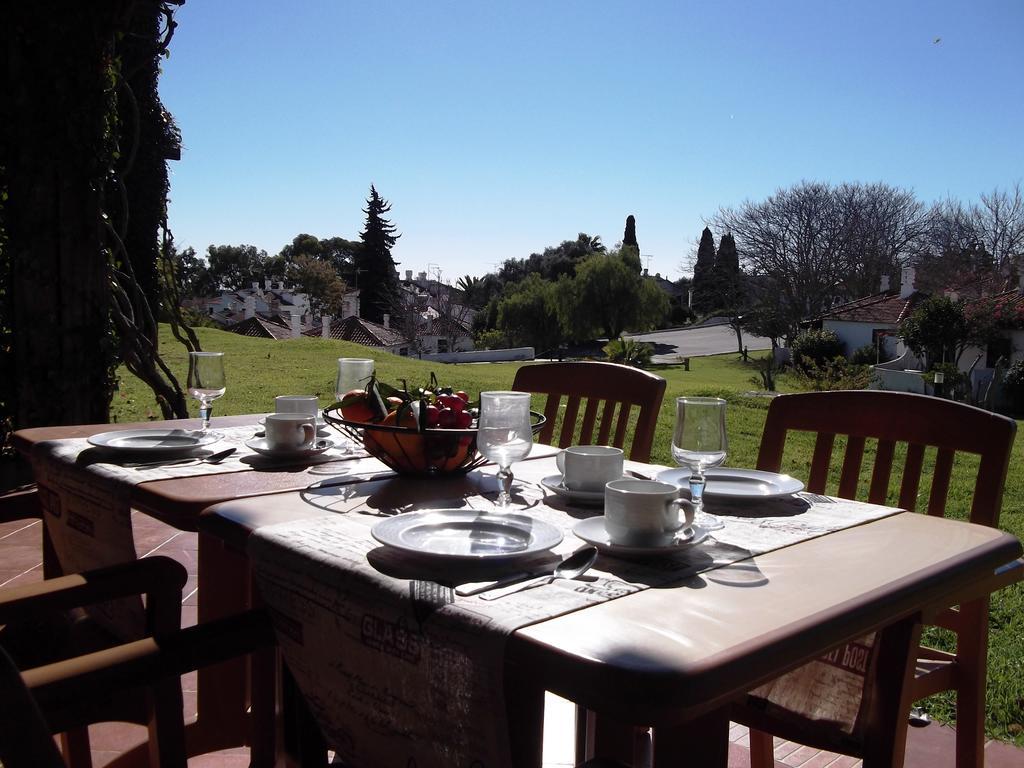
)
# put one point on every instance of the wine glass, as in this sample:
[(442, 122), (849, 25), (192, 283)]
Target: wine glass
[(504, 434), (698, 442), (206, 381)]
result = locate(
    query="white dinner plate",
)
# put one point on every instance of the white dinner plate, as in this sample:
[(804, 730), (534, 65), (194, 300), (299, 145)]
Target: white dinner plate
[(153, 441), (466, 534), (593, 531), (591, 498), (261, 446), (731, 483)]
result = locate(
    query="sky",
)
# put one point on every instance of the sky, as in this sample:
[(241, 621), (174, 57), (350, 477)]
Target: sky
[(498, 129)]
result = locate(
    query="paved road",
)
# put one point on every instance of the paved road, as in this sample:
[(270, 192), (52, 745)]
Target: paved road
[(669, 346)]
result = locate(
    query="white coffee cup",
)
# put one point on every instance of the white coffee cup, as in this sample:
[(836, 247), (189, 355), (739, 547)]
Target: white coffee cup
[(589, 467), (297, 404), (290, 431), (644, 512)]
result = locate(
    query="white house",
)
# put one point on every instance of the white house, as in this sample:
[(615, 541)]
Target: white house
[(874, 320)]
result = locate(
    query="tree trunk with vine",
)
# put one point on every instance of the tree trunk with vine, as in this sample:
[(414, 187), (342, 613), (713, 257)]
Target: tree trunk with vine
[(59, 137)]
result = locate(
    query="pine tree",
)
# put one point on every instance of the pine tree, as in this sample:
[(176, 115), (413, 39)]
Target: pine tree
[(726, 272), (376, 272), (629, 236), (704, 299)]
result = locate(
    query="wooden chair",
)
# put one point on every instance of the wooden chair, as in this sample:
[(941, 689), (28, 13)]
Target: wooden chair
[(920, 422), (108, 684), (610, 390)]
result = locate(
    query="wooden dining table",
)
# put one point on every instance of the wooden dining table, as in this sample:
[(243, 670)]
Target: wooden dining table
[(673, 654)]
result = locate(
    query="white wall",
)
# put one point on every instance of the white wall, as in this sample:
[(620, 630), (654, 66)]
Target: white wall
[(483, 355), (856, 335)]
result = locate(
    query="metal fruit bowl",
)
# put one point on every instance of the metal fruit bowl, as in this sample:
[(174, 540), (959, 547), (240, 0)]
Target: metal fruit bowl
[(410, 452)]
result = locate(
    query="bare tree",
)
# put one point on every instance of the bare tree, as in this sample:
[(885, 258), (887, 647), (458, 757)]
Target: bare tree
[(882, 223), (999, 222), (820, 244)]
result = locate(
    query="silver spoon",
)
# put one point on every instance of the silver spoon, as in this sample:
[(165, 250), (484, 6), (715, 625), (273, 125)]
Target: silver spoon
[(574, 566)]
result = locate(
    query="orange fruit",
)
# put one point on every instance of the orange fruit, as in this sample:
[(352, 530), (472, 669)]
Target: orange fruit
[(405, 450), (355, 406)]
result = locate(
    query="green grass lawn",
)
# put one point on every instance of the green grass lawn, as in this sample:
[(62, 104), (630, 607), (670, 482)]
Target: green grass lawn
[(259, 369)]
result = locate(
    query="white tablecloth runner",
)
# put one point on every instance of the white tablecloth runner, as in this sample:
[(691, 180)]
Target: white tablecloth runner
[(399, 671)]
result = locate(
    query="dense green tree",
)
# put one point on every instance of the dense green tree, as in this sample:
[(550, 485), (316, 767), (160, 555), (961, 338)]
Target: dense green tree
[(320, 282), (555, 261), (528, 314), (377, 277), (938, 330), (191, 274), (613, 297), (338, 252), (236, 266), (703, 274)]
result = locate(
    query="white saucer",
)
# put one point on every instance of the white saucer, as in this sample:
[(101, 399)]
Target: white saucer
[(261, 446), (592, 531), (554, 484)]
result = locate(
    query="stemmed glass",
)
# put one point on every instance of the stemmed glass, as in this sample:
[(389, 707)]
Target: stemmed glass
[(206, 381), (504, 434), (698, 442)]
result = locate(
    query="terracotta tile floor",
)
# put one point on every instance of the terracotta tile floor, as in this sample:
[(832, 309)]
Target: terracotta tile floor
[(930, 747)]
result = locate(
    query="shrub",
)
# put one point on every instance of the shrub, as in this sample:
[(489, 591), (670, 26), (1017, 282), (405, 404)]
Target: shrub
[(490, 340), (1013, 383), (816, 347), (628, 352), (833, 374), (956, 385), (866, 355)]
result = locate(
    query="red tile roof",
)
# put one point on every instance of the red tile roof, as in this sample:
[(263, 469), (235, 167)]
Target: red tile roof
[(885, 307), (259, 328), (361, 331)]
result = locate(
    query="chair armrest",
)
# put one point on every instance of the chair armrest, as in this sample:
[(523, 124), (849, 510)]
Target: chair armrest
[(1002, 577), (161, 578), (69, 685)]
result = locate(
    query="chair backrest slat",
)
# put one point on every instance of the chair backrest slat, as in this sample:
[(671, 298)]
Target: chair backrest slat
[(884, 453), (895, 418), (601, 383), (622, 423), (551, 414), (911, 476), (819, 462), (852, 461)]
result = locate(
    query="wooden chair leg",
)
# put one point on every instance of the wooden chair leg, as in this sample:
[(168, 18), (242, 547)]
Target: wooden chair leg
[(972, 651), (74, 745), (762, 749), (166, 727)]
